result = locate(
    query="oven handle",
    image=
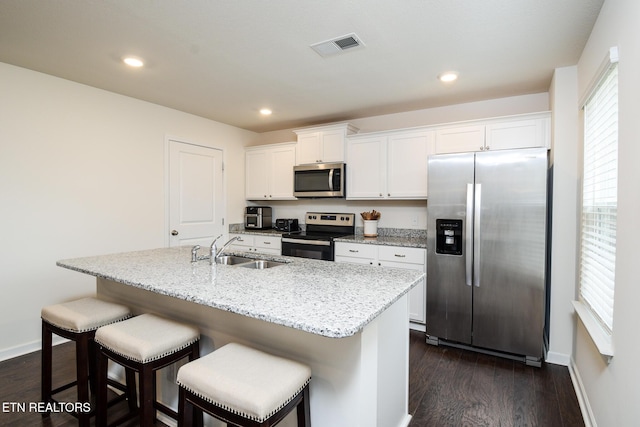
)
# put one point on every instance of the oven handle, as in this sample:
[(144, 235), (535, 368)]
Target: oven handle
[(306, 242)]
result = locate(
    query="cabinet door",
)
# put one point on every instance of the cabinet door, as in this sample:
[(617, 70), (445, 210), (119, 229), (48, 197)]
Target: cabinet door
[(366, 168), (517, 134), (257, 167), (281, 175), (460, 139), (332, 146), (409, 259), (407, 155), (308, 148)]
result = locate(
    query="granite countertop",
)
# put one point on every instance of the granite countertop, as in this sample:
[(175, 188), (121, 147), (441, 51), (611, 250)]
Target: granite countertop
[(321, 297), (405, 241), (262, 232)]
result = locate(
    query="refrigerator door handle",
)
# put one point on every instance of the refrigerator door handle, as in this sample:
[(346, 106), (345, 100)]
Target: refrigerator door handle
[(476, 234), (469, 236)]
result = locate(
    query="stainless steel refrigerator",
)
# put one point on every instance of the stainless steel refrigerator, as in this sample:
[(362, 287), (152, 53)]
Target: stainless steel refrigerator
[(487, 251)]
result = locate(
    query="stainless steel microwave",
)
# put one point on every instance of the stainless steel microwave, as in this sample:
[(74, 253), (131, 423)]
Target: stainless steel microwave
[(319, 180)]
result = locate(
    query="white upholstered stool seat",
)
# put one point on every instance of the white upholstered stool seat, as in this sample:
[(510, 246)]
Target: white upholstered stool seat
[(85, 314), (77, 321), (146, 337), (247, 383), (143, 344)]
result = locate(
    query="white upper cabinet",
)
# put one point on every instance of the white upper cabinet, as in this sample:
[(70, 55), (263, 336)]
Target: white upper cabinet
[(407, 157), (324, 144), (532, 130), (390, 165), (269, 172), (460, 139), (366, 167)]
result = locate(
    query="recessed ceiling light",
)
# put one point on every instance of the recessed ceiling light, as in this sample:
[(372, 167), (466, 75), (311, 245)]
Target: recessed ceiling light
[(448, 76), (265, 111), (132, 61)]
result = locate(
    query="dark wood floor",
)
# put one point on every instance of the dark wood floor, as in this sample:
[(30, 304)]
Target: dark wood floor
[(454, 387), (447, 387)]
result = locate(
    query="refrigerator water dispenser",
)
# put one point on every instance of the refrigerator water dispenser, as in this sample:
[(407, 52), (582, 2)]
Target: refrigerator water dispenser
[(449, 236)]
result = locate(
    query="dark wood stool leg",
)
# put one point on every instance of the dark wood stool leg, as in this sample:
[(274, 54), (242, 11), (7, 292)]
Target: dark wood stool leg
[(101, 399), (46, 365), (82, 376), (147, 397), (132, 395), (303, 410), (93, 360)]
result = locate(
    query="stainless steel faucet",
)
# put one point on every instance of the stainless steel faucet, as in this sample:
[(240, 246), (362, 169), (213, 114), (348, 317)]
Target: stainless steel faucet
[(214, 253), (221, 251)]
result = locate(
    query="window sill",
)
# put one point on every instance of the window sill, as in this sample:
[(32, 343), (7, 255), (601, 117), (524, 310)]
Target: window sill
[(601, 339)]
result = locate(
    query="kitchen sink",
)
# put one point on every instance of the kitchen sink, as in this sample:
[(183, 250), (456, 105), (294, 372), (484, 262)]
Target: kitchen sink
[(232, 260), (261, 264)]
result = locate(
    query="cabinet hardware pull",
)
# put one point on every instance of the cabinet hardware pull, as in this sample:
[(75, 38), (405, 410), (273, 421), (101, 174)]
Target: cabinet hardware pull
[(400, 255), (267, 243), (354, 251)]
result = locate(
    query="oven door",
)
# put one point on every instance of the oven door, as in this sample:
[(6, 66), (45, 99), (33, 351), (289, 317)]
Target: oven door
[(315, 249)]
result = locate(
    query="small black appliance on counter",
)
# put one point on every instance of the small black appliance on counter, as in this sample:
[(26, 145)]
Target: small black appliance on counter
[(287, 224), (257, 217)]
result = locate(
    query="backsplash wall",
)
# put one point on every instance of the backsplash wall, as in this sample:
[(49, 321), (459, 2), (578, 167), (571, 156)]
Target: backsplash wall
[(410, 214)]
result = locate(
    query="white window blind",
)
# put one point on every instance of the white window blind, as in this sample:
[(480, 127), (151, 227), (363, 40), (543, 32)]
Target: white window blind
[(599, 198)]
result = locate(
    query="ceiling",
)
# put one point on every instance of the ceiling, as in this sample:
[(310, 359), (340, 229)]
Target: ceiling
[(225, 60)]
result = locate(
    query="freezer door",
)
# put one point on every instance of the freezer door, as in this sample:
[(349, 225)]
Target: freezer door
[(510, 247), (449, 291)]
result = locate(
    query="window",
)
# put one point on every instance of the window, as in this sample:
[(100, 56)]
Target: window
[(599, 197)]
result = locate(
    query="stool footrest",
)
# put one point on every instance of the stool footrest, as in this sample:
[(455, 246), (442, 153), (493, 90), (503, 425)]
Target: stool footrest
[(64, 387)]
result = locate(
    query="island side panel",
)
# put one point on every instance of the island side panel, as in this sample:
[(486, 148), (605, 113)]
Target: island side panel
[(361, 380)]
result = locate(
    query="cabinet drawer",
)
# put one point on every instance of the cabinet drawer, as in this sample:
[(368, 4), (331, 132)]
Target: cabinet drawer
[(268, 242), (356, 250), (400, 254)]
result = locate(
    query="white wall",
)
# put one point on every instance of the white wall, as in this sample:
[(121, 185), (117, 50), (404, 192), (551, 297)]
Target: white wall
[(612, 391), (432, 116), (564, 222), (82, 173)]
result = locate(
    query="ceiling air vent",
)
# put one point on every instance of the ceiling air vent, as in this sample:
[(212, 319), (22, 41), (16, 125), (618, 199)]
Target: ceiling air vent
[(337, 45)]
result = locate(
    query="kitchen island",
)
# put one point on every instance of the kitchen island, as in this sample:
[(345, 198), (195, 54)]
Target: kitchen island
[(348, 322)]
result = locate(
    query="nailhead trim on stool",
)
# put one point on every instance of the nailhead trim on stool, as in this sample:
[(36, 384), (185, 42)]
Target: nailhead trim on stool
[(243, 386), (144, 344), (77, 321)]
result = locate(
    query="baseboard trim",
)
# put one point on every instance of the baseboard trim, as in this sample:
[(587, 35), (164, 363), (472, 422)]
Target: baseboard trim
[(22, 349), (558, 358), (581, 393)]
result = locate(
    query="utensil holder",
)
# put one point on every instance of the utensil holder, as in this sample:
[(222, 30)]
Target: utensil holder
[(370, 228)]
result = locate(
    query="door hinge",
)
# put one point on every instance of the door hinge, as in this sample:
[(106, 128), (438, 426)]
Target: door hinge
[(222, 166), (222, 221)]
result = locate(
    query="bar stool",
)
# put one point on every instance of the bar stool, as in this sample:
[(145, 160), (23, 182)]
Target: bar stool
[(143, 344), (243, 387), (77, 321)]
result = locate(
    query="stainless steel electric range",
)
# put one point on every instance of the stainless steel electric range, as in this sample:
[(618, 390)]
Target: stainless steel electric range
[(317, 241)]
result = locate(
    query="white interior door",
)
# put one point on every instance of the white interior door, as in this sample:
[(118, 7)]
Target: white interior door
[(196, 202)]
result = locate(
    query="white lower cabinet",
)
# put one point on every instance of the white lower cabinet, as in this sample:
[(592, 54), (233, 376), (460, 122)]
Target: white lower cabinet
[(271, 245), (391, 257)]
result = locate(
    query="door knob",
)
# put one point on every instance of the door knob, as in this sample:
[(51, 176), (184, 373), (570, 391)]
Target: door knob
[(174, 232)]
